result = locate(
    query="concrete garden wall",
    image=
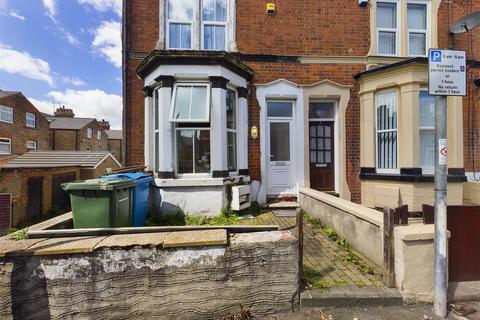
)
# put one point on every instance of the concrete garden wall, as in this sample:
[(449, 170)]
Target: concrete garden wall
[(203, 274), (362, 227)]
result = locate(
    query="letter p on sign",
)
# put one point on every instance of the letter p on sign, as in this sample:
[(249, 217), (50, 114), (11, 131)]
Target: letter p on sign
[(436, 55)]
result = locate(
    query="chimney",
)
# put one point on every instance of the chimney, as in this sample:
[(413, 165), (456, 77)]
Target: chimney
[(63, 112), (104, 124)]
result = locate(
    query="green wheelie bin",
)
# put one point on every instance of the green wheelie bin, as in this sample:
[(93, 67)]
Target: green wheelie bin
[(101, 203)]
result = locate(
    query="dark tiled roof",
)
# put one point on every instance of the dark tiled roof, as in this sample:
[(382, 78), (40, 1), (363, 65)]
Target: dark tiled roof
[(4, 94), (114, 134), (69, 123)]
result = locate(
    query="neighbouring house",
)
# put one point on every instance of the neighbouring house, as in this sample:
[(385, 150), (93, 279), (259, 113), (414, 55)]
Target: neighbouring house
[(22, 127), (313, 95), (114, 143), (34, 178), (82, 134)]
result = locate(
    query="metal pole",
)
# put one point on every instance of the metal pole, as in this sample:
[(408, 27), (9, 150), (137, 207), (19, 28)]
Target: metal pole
[(440, 289)]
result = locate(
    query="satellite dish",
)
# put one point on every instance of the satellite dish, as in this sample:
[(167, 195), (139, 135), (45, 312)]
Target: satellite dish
[(466, 24)]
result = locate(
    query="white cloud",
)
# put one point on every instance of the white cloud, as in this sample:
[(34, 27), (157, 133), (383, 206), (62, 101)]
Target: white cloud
[(75, 81), (44, 106), (87, 104), (22, 63), (105, 5), (51, 7), (6, 10), (108, 42), (69, 37)]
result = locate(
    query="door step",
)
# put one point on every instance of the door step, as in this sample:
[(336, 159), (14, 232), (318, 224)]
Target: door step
[(283, 205)]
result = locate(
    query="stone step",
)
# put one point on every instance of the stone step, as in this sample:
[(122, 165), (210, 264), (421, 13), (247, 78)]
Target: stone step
[(351, 296), (283, 205)]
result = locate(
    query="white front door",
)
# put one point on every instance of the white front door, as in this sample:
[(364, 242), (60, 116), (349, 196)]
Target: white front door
[(280, 148)]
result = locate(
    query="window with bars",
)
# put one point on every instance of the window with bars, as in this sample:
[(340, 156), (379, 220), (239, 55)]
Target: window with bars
[(387, 28), (427, 132), (386, 132), (417, 29), (184, 17)]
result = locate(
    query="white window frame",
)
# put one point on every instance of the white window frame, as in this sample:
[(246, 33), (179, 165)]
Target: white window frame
[(8, 110), (156, 130), (89, 133), (383, 170), (174, 98), (392, 30), (34, 120), (425, 170), (34, 145), (9, 143), (191, 175), (214, 23), (197, 26), (99, 135), (426, 31), (234, 130), (179, 21)]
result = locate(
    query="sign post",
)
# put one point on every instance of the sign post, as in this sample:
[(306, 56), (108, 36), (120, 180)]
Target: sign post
[(447, 77)]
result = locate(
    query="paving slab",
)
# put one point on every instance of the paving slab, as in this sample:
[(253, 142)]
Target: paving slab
[(195, 238), (64, 246), (133, 240), (464, 291), (16, 247)]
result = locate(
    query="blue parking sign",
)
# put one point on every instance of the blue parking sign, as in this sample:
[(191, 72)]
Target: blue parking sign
[(436, 56)]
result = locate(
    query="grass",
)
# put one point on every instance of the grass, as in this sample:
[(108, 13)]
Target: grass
[(20, 235), (226, 217), (312, 278)]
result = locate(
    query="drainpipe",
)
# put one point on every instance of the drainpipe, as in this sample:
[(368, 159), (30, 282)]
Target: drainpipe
[(125, 117)]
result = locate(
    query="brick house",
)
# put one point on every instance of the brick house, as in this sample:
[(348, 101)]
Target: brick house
[(71, 133), (319, 94), (114, 143), (22, 126)]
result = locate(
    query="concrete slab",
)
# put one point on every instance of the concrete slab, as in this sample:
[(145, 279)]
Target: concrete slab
[(64, 246), (196, 238), (133, 240), (464, 291), (352, 296), (16, 247), (283, 205), (285, 213)]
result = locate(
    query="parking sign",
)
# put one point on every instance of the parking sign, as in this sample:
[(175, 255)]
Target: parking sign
[(447, 72)]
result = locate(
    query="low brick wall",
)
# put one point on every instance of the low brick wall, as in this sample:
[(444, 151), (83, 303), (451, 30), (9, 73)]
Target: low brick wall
[(175, 275), (362, 227)]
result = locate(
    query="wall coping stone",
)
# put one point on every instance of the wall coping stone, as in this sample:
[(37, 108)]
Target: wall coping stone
[(133, 240), (195, 238), (64, 246), (370, 215), (199, 182), (417, 232)]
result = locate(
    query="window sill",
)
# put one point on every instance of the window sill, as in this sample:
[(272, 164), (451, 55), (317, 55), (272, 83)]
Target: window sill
[(410, 175), (199, 182)]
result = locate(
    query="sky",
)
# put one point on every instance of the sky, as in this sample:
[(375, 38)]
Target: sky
[(64, 52)]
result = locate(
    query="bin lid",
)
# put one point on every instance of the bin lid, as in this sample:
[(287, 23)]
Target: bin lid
[(99, 184), (129, 175)]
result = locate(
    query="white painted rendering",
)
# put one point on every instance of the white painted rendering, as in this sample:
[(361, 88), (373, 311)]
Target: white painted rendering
[(281, 90)]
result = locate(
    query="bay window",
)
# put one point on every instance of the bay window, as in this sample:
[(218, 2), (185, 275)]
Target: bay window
[(231, 130), (197, 24), (387, 28), (427, 132), (190, 111), (386, 132), (417, 29)]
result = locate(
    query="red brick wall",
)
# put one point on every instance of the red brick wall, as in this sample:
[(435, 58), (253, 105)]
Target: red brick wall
[(78, 139), (303, 27), (18, 132), (451, 11), (15, 182)]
